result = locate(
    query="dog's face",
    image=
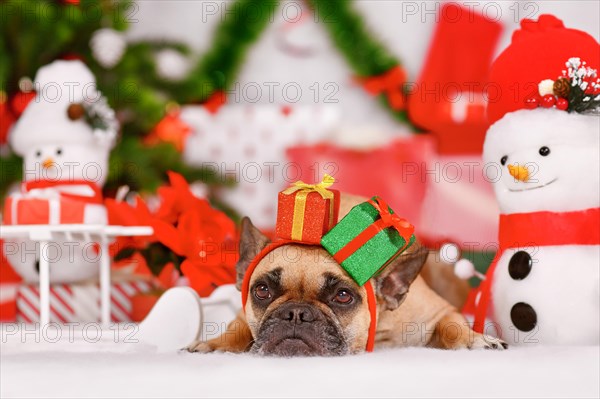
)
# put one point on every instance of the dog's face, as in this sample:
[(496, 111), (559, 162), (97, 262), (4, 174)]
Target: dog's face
[(302, 303)]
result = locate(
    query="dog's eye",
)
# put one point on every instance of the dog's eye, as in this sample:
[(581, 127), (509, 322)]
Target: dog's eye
[(343, 296), (262, 292)]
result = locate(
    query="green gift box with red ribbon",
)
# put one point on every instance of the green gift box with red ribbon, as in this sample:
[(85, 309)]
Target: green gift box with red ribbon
[(368, 238)]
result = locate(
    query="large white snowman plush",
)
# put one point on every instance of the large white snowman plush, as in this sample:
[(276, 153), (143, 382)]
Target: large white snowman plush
[(542, 155), (64, 136)]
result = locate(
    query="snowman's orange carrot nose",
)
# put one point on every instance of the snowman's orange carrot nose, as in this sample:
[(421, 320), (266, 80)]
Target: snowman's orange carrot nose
[(519, 172), (48, 163)]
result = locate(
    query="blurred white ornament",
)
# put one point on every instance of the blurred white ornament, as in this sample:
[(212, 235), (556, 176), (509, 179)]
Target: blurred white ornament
[(361, 138), (299, 37), (171, 65), (108, 46), (465, 269), (449, 253), (199, 189)]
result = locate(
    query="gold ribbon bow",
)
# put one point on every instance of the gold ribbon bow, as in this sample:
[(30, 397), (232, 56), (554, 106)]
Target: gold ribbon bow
[(303, 190)]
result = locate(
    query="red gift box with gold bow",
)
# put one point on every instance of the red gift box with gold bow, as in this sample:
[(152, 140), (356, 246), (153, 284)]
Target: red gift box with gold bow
[(305, 212)]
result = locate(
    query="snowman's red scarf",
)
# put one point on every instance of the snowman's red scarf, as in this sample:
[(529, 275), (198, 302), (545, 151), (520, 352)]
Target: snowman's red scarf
[(537, 229), (42, 184)]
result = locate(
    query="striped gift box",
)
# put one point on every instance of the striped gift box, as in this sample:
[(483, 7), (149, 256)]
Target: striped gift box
[(71, 303)]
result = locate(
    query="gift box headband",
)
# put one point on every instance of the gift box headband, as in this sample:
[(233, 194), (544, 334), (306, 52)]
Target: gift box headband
[(371, 300)]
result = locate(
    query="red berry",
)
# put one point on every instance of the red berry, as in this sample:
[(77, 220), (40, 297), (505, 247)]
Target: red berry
[(548, 101), (562, 104), (532, 102)]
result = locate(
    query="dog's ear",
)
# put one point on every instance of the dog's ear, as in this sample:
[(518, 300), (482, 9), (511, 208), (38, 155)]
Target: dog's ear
[(252, 241), (392, 285)]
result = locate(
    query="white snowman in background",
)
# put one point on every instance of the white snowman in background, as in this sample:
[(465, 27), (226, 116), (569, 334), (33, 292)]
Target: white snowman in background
[(64, 136), (543, 286)]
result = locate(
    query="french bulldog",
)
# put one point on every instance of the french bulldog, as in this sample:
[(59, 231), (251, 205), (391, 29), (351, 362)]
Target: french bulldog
[(301, 302)]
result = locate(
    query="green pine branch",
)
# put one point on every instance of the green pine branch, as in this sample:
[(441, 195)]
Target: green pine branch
[(365, 54), (219, 67)]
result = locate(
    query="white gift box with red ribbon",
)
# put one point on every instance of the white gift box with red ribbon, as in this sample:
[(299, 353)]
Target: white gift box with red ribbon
[(71, 303)]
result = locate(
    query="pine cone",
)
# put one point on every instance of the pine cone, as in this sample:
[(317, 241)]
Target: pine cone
[(75, 111), (562, 87)]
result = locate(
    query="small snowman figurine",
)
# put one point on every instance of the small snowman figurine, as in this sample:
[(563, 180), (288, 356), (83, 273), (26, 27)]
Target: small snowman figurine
[(543, 150), (64, 136)]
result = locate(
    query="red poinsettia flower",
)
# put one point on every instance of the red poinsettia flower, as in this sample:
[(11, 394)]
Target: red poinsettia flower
[(177, 198), (123, 214), (199, 235), (205, 234), (206, 238), (204, 279), (189, 227), (168, 277), (136, 263)]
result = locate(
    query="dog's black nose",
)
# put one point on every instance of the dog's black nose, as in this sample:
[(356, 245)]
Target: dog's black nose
[(296, 313)]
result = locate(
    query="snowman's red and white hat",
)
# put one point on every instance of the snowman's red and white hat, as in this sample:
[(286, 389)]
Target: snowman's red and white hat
[(528, 73), (67, 109)]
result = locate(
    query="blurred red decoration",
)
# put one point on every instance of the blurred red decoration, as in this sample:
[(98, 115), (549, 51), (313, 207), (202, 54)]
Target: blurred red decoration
[(20, 100), (8, 278), (7, 273), (6, 121), (215, 101), (390, 83), (124, 214), (171, 129), (73, 56), (449, 98), (394, 171), (286, 110), (189, 227)]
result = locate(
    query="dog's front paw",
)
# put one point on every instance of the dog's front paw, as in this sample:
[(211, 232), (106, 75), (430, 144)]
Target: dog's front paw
[(481, 341), (200, 347)]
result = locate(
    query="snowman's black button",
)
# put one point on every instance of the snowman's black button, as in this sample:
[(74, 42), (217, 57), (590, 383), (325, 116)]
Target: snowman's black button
[(519, 265), (523, 316)]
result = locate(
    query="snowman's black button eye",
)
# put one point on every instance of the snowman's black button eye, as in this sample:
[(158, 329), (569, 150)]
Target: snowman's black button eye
[(58, 151), (38, 154), (544, 151), (503, 160), (523, 316)]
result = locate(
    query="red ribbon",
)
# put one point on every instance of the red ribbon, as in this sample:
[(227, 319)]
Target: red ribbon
[(538, 229), (41, 184), (215, 101), (389, 83), (388, 219)]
